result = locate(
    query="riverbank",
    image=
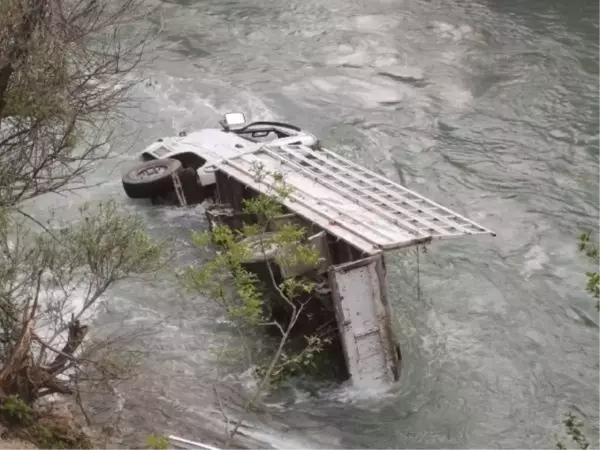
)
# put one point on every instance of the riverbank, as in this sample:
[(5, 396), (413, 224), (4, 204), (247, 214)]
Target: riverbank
[(60, 423), (15, 443), (48, 426)]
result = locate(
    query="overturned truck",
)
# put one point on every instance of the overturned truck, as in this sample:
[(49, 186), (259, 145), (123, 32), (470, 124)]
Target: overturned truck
[(354, 216)]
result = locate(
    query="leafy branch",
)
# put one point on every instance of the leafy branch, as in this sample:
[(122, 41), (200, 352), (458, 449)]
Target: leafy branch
[(590, 249), (259, 267)]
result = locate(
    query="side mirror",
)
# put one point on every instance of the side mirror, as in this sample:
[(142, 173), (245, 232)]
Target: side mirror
[(233, 120)]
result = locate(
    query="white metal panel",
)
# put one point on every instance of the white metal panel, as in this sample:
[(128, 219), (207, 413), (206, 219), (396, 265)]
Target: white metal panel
[(362, 320), (212, 145), (366, 209)]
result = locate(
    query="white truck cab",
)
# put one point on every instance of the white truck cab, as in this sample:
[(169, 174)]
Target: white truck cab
[(203, 149)]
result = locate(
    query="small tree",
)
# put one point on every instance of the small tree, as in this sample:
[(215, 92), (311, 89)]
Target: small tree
[(248, 293), (157, 442), (42, 277), (65, 72)]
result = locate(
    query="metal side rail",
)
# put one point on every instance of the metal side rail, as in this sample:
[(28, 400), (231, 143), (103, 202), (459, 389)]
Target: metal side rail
[(403, 207), (365, 209), (301, 200), (177, 442)]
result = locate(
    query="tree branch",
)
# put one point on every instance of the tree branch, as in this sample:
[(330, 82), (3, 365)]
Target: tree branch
[(76, 335)]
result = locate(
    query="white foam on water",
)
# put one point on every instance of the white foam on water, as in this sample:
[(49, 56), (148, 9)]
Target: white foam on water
[(71, 304), (362, 397), (290, 439), (535, 260), (376, 23), (453, 32), (346, 393), (455, 96)]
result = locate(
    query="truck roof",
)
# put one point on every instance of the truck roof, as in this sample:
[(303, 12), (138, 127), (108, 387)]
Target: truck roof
[(367, 210)]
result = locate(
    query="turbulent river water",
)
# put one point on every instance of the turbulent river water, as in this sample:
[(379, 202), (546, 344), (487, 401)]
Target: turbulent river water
[(489, 107)]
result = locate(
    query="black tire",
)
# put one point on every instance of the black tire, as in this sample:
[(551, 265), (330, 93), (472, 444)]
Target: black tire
[(140, 184)]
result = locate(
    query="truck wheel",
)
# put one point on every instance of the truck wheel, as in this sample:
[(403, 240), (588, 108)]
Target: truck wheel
[(151, 179)]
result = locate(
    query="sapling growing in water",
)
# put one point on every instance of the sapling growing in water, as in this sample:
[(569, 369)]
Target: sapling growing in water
[(252, 274)]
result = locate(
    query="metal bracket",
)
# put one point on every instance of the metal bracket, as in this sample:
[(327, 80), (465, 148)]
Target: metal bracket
[(179, 189)]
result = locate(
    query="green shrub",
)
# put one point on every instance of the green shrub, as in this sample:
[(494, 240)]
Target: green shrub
[(16, 411), (157, 442)]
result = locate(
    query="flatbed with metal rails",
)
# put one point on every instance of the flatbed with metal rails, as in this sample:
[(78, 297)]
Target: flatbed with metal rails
[(367, 210)]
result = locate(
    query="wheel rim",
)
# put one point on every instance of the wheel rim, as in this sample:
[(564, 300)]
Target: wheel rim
[(150, 172), (261, 248)]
